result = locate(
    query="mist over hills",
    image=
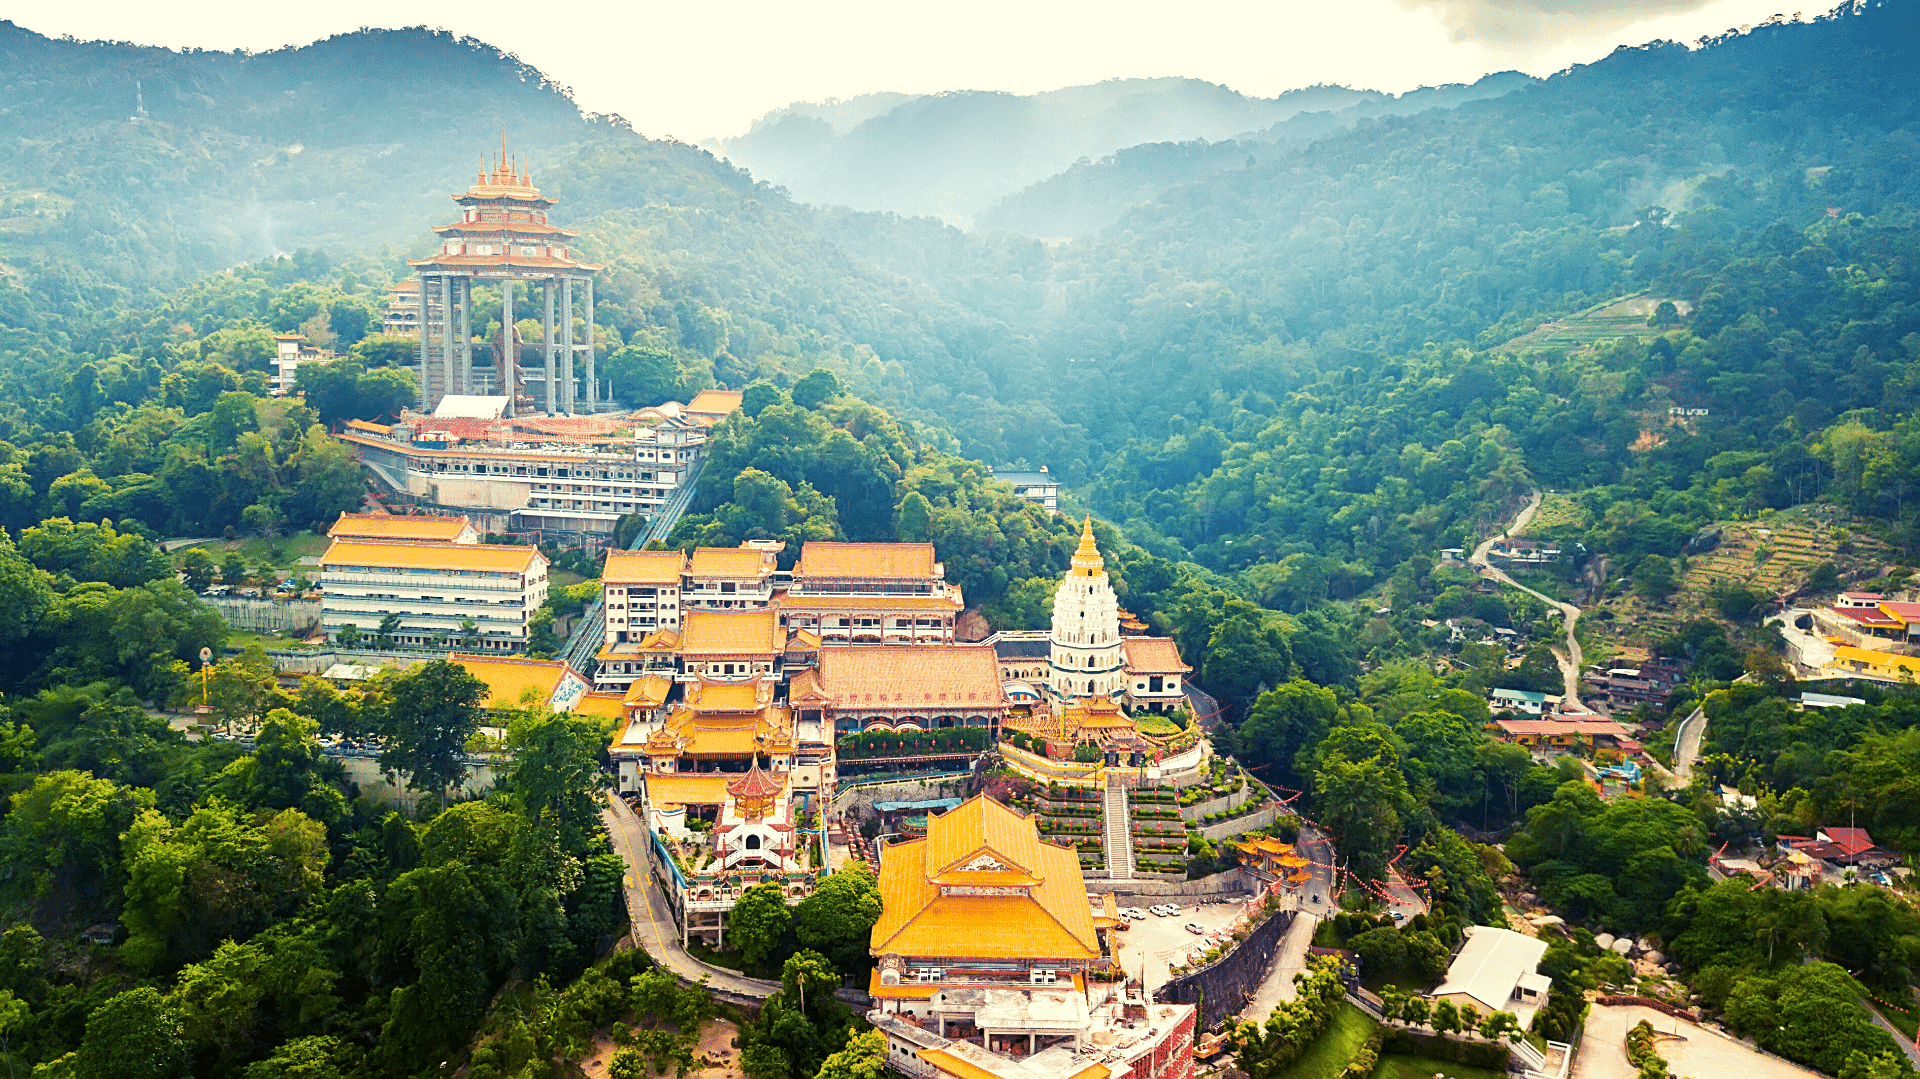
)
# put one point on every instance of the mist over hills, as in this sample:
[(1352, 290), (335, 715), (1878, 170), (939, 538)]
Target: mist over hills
[(951, 155)]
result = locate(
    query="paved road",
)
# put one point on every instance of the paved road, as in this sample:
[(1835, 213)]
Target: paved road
[(1291, 957), (1570, 660), (653, 926), (1686, 745), (1810, 652), (1900, 1039)]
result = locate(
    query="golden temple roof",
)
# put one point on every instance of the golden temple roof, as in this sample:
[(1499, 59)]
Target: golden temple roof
[(446, 557), (396, 526), (1087, 560), (1044, 913), (888, 561), (669, 788), (729, 562), (648, 691), (729, 633), (643, 567), (508, 678)]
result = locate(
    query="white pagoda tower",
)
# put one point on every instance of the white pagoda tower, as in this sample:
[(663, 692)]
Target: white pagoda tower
[(1086, 659)]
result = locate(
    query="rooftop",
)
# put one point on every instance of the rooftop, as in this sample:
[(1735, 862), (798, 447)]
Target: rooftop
[(417, 527), (1042, 912), (445, 557), (1153, 655), (890, 561), (668, 788), (962, 674), (729, 562), (729, 633), (643, 567), (509, 678), (715, 402), (1490, 964)]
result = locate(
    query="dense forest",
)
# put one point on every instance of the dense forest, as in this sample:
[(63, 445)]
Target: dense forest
[(1285, 372)]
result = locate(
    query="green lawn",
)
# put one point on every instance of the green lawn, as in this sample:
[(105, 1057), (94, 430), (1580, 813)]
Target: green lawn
[(240, 638), (281, 553), (1327, 1057), (1396, 1066), (560, 578)]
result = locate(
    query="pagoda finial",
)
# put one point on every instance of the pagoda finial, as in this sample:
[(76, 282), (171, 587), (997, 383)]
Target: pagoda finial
[(1087, 560)]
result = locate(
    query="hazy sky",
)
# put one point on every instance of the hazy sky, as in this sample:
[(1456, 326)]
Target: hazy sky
[(701, 70)]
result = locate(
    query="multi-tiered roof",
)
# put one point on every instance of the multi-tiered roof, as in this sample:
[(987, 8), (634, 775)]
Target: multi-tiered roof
[(503, 225)]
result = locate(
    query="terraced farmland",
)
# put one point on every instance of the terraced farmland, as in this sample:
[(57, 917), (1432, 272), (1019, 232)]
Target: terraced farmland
[(1621, 318)]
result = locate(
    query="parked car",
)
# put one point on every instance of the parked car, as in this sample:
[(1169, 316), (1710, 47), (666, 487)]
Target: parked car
[(1196, 929)]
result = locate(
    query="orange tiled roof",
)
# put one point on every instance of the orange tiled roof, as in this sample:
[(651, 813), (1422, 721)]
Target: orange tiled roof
[(508, 678), (602, 705), (643, 567), (475, 557), (397, 526), (1047, 919), (1153, 655), (890, 561), (730, 633), (667, 788), (955, 674), (715, 402), (648, 691), (729, 562), (728, 696)]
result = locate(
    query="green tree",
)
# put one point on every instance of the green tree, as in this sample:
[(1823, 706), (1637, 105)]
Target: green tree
[(1653, 578), (642, 375), (198, 565), (65, 829), (134, 1035), (837, 919), (233, 569), (817, 388), (428, 713), (555, 774), (388, 629), (316, 1056), (757, 922), (865, 1057)]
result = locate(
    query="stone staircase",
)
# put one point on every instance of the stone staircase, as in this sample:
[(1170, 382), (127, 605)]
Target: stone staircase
[(1119, 832)]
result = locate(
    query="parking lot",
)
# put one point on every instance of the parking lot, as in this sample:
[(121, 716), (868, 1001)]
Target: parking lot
[(1163, 941)]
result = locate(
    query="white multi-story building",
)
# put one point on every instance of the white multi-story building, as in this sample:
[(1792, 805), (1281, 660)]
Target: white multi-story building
[(871, 593), (290, 350), (1039, 488), (1088, 659), (435, 588), (732, 578), (565, 474), (641, 593)]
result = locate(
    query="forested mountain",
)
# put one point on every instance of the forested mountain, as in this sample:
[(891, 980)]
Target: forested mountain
[(950, 155), (1091, 194)]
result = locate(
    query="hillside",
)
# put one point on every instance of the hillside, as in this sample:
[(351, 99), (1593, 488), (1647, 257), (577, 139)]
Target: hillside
[(951, 155)]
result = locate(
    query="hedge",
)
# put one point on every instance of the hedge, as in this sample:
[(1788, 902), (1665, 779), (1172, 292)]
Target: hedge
[(1478, 1054)]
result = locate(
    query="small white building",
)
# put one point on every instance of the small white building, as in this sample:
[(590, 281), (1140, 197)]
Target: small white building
[(1039, 488), (290, 350), (1496, 970)]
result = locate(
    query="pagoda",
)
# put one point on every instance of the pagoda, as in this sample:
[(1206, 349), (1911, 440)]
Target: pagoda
[(1086, 657), (503, 236)]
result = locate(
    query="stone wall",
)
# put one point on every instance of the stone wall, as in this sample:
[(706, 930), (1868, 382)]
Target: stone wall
[(291, 617), (1236, 881), (856, 803), (364, 771), (1214, 805), (1223, 987), (1227, 829)]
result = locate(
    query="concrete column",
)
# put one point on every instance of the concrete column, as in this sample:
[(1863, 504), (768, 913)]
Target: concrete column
[(566, 359), (447, 384), (507, 358), (465, 291), (550, 342), (426, 359), (593, 388)]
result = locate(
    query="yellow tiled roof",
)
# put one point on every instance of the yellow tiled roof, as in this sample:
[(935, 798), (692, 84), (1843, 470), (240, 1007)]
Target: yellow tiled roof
[(715, 402), (479, 557), (1050, 919), (643, 567), (649, 691), (508, 677), (1153, 655), (728, 633), (672, 789), (397, 527), (724, 697), (891, 561), (728, 562), (1848, 654), (603, 705), (982, 825), (954, 674), (908, 991)]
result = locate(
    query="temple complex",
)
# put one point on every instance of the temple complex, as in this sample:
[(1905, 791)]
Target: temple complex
[(503, 237), (986, 949)]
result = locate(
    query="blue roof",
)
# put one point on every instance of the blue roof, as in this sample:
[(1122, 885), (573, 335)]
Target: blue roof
[(924, 803), (1030, 478)]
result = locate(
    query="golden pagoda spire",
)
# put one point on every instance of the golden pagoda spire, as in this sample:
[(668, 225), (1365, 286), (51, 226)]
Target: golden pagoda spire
[(1087, 560)]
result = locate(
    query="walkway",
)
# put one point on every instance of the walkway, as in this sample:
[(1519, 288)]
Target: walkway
[(1899, 1039), (1690, 1048), (1119, 832), (654, 930), (1571, 660), (1289, 959), (1686, 745)]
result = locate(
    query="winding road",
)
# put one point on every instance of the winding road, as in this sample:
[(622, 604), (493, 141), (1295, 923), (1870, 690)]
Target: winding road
[(1570, 658)]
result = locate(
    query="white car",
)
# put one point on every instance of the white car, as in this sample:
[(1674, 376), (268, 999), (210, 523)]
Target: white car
[(1196, 929), (1135, 913)]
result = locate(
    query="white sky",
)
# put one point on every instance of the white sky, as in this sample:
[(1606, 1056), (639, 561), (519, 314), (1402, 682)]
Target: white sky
[(704, 70)]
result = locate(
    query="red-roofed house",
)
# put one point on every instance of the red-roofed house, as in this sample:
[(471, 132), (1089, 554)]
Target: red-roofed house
[(1841, 846)]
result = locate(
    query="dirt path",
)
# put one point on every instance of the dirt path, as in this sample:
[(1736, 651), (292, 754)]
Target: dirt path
[(1570, 658), (1690, 1049)]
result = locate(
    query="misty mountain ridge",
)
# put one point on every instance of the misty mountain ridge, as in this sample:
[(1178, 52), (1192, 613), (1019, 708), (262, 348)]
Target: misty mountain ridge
[(951, 155)]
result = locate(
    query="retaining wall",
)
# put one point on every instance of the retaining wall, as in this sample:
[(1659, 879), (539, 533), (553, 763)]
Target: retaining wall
[(288, 661), (365, 772), (1214, 805), (267, 615), (1227, 829), (1223, 987), (858, 801)]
